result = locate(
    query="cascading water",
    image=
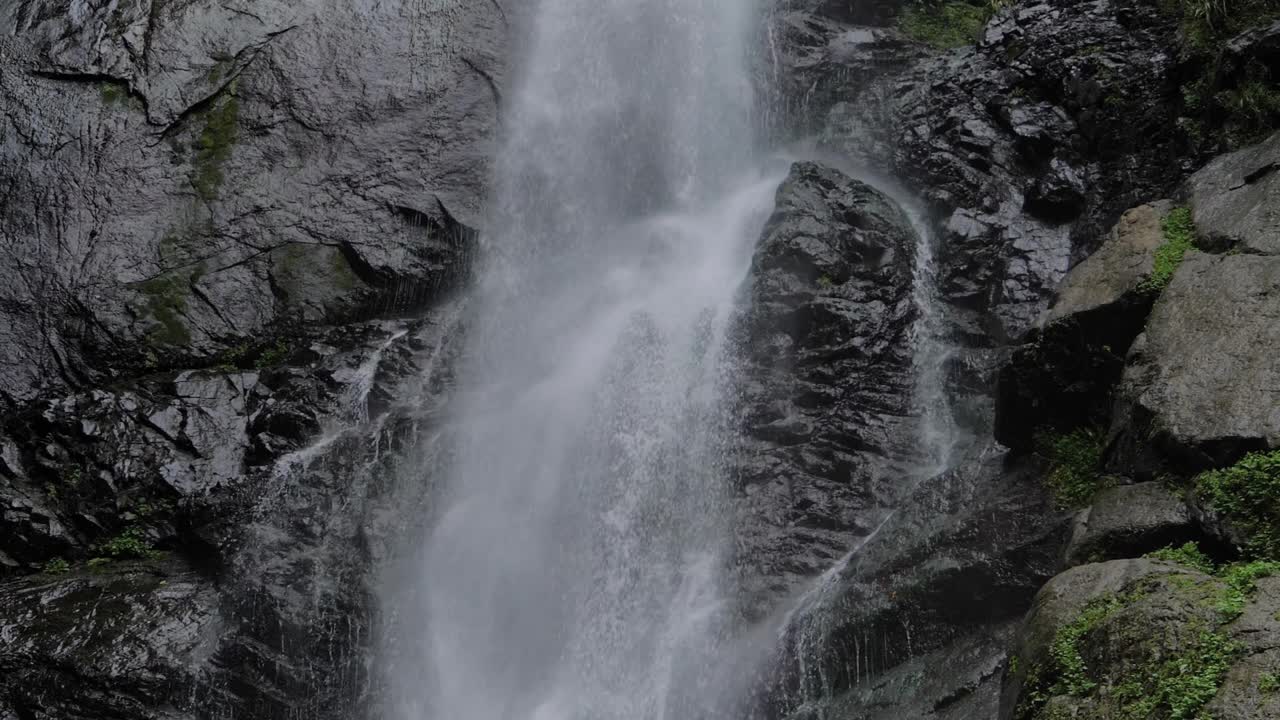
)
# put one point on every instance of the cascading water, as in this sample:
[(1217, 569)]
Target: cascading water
[(572, 570)]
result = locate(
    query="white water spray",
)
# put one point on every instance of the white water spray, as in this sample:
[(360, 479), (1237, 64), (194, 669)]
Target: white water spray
[(574, 570)]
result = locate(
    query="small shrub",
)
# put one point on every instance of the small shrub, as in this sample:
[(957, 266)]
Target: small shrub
[(57, 566), (1179, 686), (1189, 555), (1247, 494), (1179, 237), (273, 355), (1241, 580), (129, 544), (1269, 683), (1075, 466), (947, 24)]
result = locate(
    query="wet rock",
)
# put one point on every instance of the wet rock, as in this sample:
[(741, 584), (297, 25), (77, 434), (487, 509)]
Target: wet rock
[(1235, 200), (1063, 375), (1128, 521), (129, 640), (827, 384), (1026, 146), (1198, 390), (938, 578), (183, 178)]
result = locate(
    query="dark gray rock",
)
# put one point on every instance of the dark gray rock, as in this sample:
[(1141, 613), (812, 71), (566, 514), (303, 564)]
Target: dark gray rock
[(1235, 200), (939, 580), (1063, 375), (1026, 146), (183, 177), (126, 641), (1200, 389), (1128, 521), (826, 388)]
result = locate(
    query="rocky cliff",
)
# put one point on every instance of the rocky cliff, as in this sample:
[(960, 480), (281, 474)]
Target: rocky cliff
[(215, 216)]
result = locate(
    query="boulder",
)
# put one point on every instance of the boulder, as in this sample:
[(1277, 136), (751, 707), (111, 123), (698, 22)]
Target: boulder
[(1128, 521), (1100, 639), (1235, 200), (1200, 389), (826, 385), (1063, 374)]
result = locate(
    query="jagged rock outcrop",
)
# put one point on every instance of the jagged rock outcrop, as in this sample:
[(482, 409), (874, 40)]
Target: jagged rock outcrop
[(827, 383), (1062, 376)]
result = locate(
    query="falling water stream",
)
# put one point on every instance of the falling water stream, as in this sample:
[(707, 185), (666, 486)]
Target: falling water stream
[(573, 571)]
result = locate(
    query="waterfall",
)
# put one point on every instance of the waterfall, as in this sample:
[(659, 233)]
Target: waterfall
[(571, 569)]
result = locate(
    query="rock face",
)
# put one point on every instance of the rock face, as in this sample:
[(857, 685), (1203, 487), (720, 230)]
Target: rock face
[(181, 177), (1063, 374), (1196, 389), (1235, 200), (129, 641), (827, 386), (203, 205)]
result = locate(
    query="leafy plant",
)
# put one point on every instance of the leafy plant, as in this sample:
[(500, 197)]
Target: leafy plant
[(273, 355), (1269, 683), (1075, 466), (1069, 665), (1179, 237), (1178, 686), (1241, 580), (1247, 494), (129, 544), (57, 566), (1189, 555)]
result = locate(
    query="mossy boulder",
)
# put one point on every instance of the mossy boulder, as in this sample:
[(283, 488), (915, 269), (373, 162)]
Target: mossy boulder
[(1141, 640)]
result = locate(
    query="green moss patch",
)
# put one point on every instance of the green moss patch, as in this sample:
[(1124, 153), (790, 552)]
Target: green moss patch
[(947, 24), (1247, 494), (1075, 466), (214, 145), (1179, 237), (167, 301)]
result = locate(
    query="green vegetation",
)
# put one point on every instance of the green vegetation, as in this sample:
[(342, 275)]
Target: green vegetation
[(1179, 237), (129, 544), (113, 94), (1069, 665), (1178, 687), (1247, 494), (1075, 466), (1241, 580), (167, 301), (98, 563), (344, 278), (213, 147), (825, 281), (946, 24), (273, 355), (1188, 555), (1246, 106), (57, 566), (1269, 683)]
